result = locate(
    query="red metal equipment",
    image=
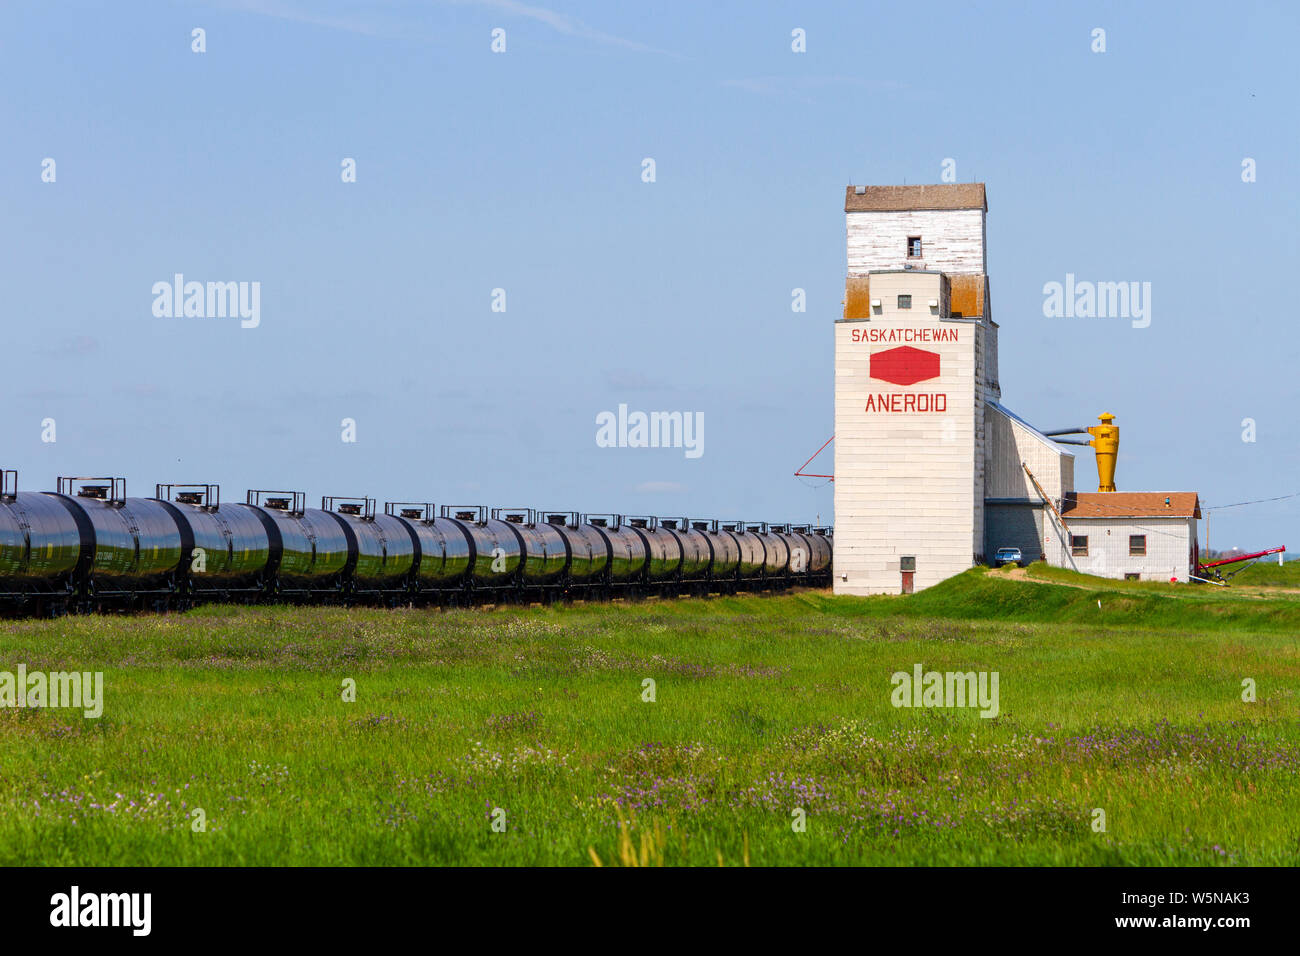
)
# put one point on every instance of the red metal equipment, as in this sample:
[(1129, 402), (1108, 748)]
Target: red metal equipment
[(800, 473), (1203, 569)]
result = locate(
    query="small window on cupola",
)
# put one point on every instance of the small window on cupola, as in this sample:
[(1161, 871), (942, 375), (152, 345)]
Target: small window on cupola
[(913, 247)]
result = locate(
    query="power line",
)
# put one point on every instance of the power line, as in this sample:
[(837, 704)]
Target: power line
[(1257, 501)]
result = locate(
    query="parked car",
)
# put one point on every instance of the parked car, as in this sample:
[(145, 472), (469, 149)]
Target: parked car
[(1008, 556)]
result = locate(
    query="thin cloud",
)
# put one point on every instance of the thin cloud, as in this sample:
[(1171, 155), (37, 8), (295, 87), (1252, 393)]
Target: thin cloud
[(365, 26), (364, 21), (560, 23)]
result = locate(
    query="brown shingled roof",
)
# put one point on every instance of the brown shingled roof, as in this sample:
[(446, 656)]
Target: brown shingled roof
[(1130, 504), (897, 198)]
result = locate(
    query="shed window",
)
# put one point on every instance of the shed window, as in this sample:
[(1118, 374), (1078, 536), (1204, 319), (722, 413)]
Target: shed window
[(913, 247), (1079, 545), (904, 301), (1137, 545)]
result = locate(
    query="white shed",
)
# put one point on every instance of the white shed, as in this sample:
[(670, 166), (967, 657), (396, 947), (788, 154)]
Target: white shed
[(1138, 535)]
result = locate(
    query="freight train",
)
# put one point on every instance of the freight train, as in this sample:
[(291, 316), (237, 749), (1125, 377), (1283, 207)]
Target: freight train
[(88, 547)]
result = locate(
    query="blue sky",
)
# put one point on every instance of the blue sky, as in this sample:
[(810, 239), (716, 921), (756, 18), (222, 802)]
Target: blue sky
[(522, 171)]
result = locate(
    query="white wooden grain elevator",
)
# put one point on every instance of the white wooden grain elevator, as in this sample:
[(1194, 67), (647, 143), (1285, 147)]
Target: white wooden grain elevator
[(930, 468)]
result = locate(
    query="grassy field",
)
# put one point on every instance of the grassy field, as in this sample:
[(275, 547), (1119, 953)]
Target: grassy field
[(535, 719)]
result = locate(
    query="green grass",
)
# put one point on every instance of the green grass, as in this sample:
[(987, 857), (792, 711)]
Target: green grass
[(763, 705)]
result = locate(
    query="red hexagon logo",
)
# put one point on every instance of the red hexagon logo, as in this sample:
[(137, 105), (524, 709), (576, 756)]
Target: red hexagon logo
[(905, 365)]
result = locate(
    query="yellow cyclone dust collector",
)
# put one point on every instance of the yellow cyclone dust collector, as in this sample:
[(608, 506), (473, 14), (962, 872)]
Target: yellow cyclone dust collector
[(1105, 440)]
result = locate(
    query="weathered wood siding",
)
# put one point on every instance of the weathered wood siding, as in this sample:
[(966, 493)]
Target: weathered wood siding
[(952, 240), (857, 297), (968, 295)]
